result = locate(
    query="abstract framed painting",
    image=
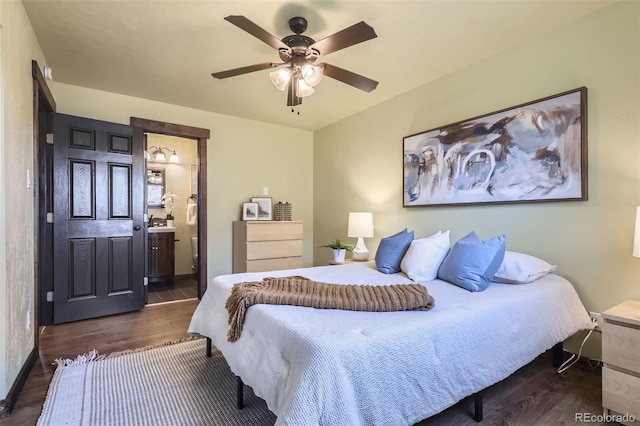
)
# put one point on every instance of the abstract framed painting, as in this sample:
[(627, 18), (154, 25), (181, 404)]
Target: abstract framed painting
[(533, 152)]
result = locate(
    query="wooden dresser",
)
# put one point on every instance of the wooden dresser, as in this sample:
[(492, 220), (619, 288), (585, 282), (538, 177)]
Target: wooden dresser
[(260, 245), (621, 359)]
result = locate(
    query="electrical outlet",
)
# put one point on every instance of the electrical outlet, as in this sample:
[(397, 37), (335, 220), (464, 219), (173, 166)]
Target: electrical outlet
[(28, 320), (597, 316)]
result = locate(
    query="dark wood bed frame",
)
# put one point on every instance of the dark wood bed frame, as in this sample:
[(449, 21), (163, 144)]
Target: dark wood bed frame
[(557, 354)]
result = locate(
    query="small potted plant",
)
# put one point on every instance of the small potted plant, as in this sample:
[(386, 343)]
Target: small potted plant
[(339, 249)]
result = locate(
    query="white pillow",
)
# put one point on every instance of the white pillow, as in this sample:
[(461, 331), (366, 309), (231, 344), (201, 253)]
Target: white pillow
[(520, 268), (424, 256)]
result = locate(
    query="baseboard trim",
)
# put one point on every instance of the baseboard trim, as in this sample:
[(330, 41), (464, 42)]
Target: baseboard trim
[(7, 404)]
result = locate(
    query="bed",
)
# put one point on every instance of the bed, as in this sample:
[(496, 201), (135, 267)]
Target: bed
[(332, 367)]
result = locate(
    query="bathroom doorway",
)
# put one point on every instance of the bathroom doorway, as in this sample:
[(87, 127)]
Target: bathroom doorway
[(197, 137), (172, 201)]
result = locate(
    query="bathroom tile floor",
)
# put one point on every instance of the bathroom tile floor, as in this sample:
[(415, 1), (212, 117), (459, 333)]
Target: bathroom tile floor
[(169, 292)]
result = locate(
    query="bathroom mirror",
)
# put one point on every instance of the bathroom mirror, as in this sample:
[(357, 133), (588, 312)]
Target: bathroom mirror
[(155, 187)]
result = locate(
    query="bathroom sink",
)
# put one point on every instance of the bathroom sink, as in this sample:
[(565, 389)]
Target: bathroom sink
[(156, 229)]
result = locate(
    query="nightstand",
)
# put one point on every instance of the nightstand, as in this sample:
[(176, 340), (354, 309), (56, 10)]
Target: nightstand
[(621, 359)]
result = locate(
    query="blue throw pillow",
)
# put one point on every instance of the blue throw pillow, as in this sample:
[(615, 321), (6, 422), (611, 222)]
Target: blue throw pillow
[(471, 262), (391, 251)]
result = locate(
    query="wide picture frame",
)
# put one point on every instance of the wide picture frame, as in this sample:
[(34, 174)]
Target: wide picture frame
[(265, 207), (533, 152)]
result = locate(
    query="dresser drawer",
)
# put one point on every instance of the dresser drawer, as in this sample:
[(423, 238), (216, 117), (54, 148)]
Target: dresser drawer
[(264, 231), (273, 249), (621, 392), (267, 245), (621, 345), (274, 264)]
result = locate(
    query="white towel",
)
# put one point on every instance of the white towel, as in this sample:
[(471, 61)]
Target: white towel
[(192, 214)]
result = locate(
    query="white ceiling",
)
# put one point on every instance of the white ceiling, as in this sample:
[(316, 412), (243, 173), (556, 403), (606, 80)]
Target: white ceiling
[(167, 50)]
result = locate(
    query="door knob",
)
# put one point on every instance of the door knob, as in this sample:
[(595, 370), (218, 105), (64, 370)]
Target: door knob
[(136, 228)]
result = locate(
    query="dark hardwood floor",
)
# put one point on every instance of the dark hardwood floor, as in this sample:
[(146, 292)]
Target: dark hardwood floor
[(534, 395), (180, 289)]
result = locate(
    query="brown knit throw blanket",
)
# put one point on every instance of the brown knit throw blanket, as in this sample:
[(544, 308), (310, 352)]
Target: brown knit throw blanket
[(301, 291)]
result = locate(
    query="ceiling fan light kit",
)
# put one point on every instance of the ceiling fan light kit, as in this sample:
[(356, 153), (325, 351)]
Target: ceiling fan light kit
[(298, 72)]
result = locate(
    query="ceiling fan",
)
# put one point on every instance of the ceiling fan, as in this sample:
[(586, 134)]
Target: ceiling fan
[(298, 71)]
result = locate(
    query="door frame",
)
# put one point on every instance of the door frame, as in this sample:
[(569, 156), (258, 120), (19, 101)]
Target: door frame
[(201, 136), (44, 107)]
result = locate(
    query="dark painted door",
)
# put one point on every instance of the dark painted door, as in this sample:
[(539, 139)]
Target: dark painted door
[(98, 230)]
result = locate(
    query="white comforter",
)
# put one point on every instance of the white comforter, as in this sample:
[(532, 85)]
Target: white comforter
[(332, 367)]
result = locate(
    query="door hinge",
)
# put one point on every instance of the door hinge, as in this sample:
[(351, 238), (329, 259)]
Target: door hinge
[(49, 296), (49, 217), (146, 281), (49, 138)]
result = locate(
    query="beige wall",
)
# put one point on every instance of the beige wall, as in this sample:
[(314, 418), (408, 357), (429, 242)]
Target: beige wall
[(243, 156), (19, 47), (178, 181), (358, 162)]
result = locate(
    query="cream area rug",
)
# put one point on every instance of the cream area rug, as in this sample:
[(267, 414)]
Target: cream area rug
[(174, 384)]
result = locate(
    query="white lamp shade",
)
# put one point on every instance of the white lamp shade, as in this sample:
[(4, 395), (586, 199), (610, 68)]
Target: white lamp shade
[(360, 225), (174, 158), (636, 235)]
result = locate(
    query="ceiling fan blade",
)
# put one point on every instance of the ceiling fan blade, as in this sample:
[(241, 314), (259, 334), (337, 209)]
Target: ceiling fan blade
[(256, 31), (354, 34), (356, 80), (245, 70)]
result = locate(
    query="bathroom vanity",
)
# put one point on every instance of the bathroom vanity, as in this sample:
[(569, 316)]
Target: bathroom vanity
[(161, 254)]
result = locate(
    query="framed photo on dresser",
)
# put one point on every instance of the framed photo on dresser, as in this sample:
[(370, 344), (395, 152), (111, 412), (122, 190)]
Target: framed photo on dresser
[(265, 207), (249, 211)]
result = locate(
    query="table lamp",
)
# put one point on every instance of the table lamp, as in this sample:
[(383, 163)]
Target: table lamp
[(360, 226)]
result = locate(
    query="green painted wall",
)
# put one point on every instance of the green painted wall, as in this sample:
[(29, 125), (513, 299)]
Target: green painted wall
[(358, 161), (19, 47)]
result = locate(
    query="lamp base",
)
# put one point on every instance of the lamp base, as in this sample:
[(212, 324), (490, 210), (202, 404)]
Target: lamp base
[(360, 256), (360, 252)]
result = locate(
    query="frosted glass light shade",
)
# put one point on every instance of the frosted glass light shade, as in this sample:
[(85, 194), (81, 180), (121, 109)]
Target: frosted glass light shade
[(280, 78), (304, 89), (636, 235), (311, 74), (159, 156), (174, 158)]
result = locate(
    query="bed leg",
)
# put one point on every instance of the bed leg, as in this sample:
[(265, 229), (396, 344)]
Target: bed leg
[(239, 395), (477, 406), (208, 348), (558, 355)]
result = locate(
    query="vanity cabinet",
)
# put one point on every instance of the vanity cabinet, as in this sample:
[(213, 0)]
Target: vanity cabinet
[(266, 245), (161, 256)]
